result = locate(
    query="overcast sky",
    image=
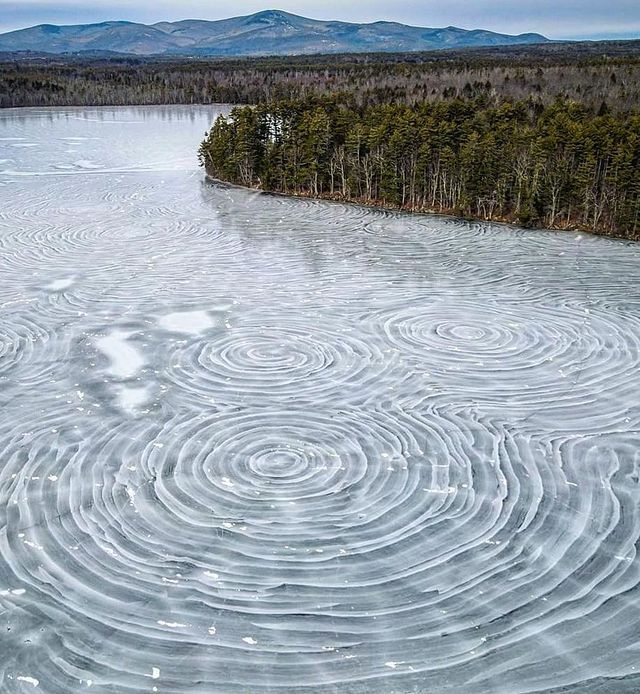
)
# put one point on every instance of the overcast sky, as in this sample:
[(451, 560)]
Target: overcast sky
[(555, 18)]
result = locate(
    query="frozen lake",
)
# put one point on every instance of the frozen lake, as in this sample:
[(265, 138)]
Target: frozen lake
[(253, 444)]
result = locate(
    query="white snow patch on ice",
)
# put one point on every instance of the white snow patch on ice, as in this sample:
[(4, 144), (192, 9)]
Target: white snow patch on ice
[(192, 322), (125, 359)]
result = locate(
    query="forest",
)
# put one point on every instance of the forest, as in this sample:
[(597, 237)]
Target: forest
[(545, 135), (589, 73), (557, 166)]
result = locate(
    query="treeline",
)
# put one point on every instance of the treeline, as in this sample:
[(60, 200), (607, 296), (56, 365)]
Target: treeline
[(558, 166), (589, 73)]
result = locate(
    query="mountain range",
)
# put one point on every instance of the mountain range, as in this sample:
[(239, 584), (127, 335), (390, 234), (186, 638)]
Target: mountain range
[(271, 32)]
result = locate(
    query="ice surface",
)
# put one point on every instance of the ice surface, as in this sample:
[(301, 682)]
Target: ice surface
[(255, 444), (193, 322)]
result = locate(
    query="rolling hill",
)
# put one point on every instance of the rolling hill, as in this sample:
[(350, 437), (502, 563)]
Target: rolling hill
[(271, 32)]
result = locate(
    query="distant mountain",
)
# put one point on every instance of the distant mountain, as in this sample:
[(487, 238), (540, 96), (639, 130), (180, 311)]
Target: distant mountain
[(271, 32)]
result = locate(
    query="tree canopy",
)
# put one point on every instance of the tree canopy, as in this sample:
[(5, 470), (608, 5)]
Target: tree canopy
[(557, 166)]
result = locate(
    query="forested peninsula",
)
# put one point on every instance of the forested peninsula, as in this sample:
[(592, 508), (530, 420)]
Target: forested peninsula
[(546, 138), (545, 135), (559, 166)]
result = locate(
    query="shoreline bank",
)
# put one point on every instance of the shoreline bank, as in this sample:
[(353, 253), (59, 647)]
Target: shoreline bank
[(449, 214)]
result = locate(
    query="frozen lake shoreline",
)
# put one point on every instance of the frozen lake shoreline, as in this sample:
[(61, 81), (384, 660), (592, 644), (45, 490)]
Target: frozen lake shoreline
[(253, 443)]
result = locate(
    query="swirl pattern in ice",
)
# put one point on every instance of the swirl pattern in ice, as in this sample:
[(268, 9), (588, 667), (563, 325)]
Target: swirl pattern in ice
[(252, 444)]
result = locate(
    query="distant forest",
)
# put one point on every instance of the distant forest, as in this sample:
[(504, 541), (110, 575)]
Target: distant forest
[(543, 135), (589, 73)]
